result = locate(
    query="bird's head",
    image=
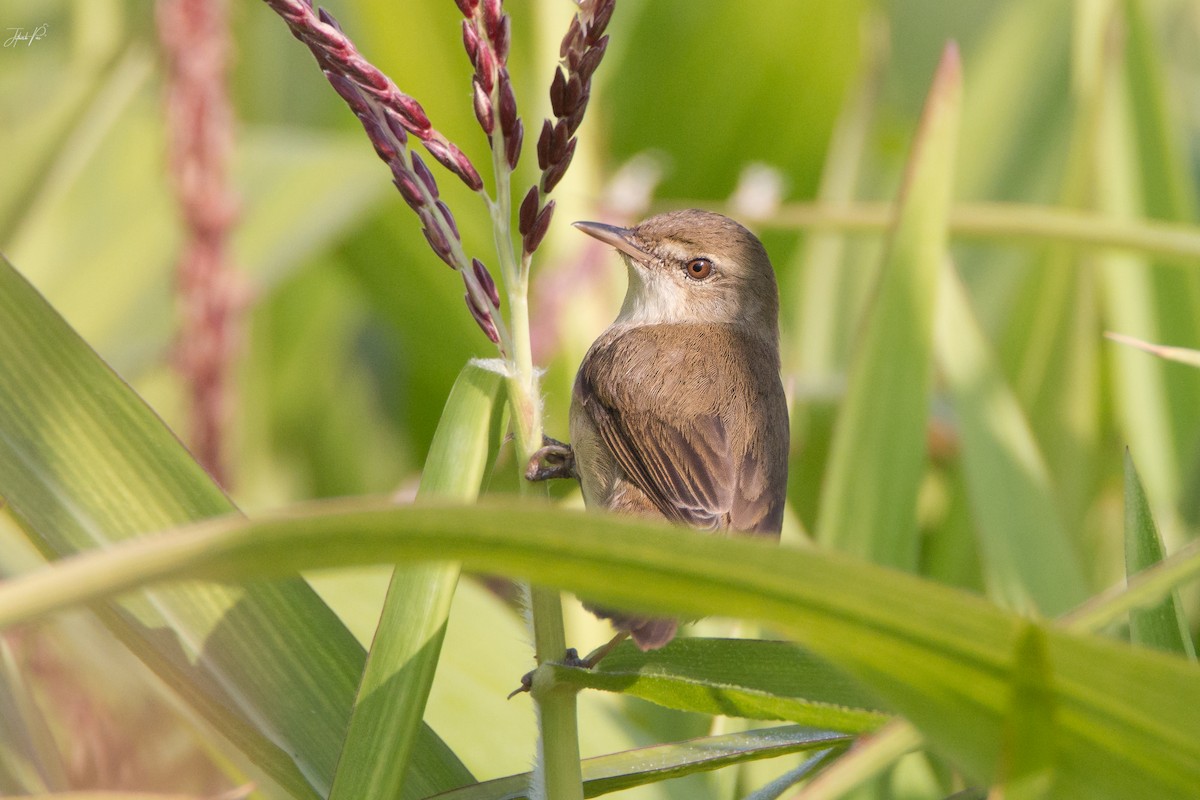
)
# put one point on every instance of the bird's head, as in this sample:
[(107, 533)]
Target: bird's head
[(694, 266)]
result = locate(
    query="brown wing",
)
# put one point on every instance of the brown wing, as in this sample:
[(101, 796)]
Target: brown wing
[(677, 448)]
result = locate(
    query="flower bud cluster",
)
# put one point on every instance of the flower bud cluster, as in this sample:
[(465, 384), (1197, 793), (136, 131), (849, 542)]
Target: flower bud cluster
[(389, 117), (581, 52), (487, 37)]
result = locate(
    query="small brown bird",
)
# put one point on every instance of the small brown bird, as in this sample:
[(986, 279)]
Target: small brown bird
[(678, 411)]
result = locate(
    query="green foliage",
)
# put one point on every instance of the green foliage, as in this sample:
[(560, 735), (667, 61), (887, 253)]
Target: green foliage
[(957, 413)]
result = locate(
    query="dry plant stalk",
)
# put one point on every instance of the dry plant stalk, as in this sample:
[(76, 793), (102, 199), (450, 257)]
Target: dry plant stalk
[(195, 41)]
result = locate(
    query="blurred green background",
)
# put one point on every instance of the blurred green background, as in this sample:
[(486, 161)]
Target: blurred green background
[(357, 331)]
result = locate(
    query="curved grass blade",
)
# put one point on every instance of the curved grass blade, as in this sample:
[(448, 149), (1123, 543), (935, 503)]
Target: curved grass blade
[(872, 756), (386, 721), (1124, 722), (1162, 626), (612, 773), (868, 502), (85, 464), (1029, 563), (735, 678)]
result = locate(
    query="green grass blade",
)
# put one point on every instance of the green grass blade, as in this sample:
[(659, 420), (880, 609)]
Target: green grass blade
[(873, 756), (1140, 171), (386, 721), (1124, 722), (85, 464), (868, 502), (735, 678), (1027, 763), (777, 787), (1146, 588), (612, 773), (1162, 626), (1029, 563)]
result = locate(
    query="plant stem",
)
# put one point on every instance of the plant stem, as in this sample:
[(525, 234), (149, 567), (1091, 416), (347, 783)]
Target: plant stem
[(557, 774), (1172, 241)]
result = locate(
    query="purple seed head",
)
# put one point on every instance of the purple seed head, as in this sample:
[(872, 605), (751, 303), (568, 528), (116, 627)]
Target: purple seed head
[(503, 39), (540, 226), (572, 92), (554, 174), (381, 141), (396, 125), (558, 142), (485, 280), (439, 244), (467, 7), (573, 38), (591, 59), (411, 114), (422, 171), (470, 40), (328, 19), (485, 68), (455, 160), (492, 12), (508, 103), (357, 68), (528, 213), (483, 108), (601, 16), (512, 144), (347, 91), (558, 88), (449, 218), (407, 184), (543, 144), (483, 318)]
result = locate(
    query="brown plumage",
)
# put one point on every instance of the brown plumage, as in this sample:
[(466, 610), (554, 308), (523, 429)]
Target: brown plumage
[(678, 411)]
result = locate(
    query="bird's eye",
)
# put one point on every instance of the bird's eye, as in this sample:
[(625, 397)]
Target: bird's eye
[(699, 268)]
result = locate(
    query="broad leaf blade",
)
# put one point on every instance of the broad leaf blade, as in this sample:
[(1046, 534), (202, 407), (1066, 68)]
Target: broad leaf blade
[(868, 502), (386, 721), (84, 464), (1125, 719), (736, 678), (618, 771)]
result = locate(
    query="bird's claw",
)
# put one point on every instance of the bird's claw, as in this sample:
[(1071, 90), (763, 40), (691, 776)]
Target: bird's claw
[(554, 459)]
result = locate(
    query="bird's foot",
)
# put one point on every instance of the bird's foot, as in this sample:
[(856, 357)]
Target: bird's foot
[(555, 459), (571, 659)]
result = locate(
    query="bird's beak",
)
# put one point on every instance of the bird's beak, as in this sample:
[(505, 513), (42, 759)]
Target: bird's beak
[(624, 239)]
